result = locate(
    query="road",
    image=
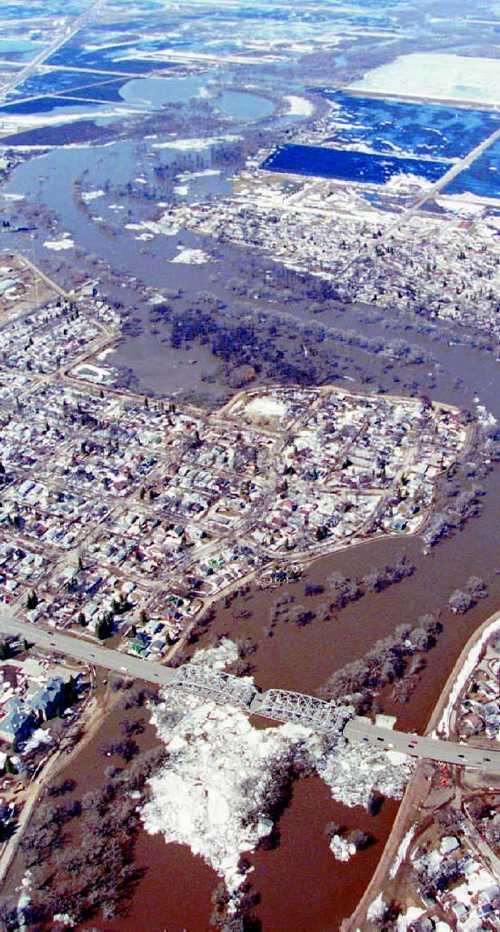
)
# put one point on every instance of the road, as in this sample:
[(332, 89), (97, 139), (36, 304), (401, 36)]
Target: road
[(60, 40), (429, 193), (358, 730), (361, 730), (88, 651)]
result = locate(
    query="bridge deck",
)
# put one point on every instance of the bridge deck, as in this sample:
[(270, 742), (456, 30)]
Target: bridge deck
[(278, 705)]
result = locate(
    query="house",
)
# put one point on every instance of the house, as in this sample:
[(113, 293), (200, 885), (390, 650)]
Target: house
[(448, 844), (48, 700), (17, 725)]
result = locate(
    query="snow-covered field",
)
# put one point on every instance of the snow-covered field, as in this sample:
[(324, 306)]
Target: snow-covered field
[(216, 790), (299, 106), (438, 76), (267, 407)]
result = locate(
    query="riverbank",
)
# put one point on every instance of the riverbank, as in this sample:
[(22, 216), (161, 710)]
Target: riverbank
[(91, 720), (418, 785)]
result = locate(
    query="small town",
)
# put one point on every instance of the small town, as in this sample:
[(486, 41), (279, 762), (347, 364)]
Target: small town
[(249, 422), (450, 272), (127, 516)]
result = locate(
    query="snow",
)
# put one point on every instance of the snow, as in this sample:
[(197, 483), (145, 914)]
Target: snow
[(191, 257), (38, 738), (214, 791), (269, 407), (342, 849), (443, 727), (194, 145), (401, 852), (64, 242), (18, 123), (217, 658), (438, 76), (92, 195), (468, 205), (163, 226), (373, 769), (406, 919), (299, 106), (376, 908)]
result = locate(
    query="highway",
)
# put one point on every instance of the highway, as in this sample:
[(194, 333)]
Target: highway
[(362, 731), (88, 651), (358, 730), (59, 40)]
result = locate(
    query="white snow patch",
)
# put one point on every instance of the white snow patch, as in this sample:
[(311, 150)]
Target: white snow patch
[(65, 242), (269, 407), (438, 76), (401, 852), (194, 145), (38, 738), (299, 106), (342, 849), (373, 768), (191, 257), (92, 195), (213, 792), (163, 226), (406, 920), (217, 658), (376, 908)]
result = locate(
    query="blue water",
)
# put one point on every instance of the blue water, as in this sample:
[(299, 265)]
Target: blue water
[(156, 92), (43, 9), (349, 166), (108, 92), (73, 54), (22, 49), (482, 178), (240, 105), (54, 82), (43, 105), (415, 129)]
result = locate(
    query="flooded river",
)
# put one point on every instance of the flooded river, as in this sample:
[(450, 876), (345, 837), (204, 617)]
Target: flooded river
[(302, 887)]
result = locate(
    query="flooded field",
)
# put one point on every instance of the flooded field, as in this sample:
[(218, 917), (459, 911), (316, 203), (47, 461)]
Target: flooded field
[(347, 165)]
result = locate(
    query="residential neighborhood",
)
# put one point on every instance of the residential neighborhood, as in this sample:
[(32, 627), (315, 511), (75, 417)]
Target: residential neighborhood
[(127, 516)]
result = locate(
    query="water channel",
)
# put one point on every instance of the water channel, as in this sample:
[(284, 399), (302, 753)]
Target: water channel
[(303, 888)]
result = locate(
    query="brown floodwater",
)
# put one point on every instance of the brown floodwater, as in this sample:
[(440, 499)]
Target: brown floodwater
[(302, 886)]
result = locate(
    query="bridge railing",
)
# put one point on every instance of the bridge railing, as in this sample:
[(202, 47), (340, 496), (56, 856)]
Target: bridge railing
[(284, 706), (222, 687)]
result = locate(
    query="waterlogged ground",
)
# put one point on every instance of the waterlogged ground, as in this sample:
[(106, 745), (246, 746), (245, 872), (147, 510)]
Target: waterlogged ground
[(395, 126), (346, 165)]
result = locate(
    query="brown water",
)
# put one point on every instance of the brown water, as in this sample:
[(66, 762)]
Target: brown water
[(302, 886)]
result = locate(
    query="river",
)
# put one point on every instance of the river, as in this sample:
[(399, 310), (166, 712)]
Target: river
[(303, 888)]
